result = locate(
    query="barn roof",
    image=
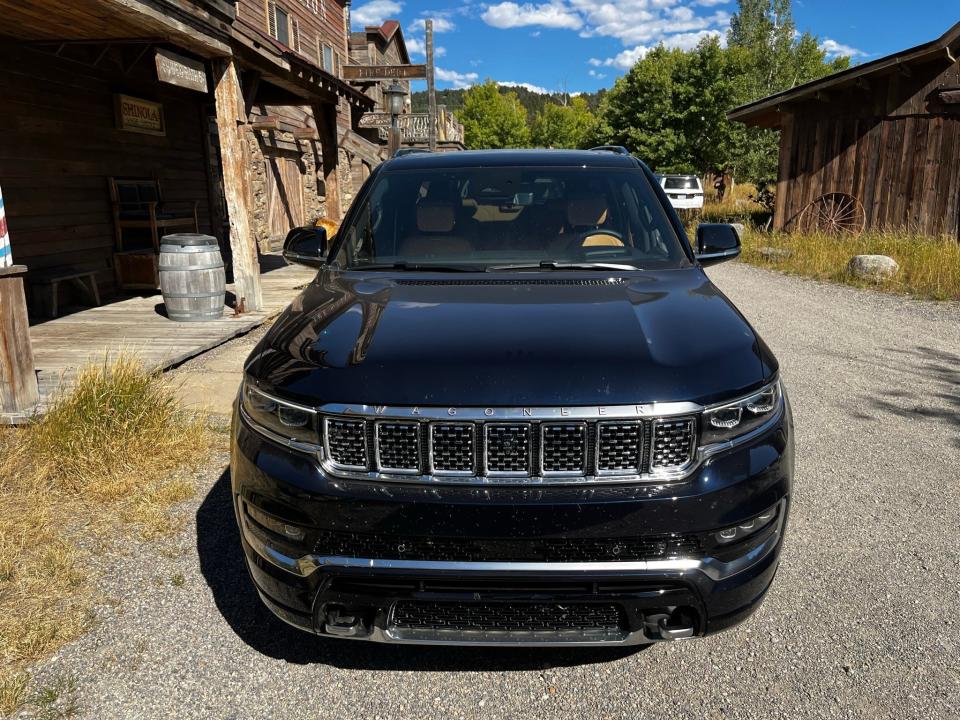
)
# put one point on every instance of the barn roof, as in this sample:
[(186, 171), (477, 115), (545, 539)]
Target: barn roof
[(765, 112)]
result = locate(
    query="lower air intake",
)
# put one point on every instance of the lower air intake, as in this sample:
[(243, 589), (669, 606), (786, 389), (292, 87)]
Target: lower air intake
[(508, 617)]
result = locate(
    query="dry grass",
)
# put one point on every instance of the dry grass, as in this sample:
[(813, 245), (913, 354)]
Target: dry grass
[(100, 460), (929, 267)]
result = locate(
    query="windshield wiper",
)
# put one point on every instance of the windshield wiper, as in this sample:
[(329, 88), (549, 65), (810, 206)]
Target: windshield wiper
[(415, 267), (551, 265)]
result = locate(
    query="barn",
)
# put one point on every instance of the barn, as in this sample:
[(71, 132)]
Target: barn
[(876, 146)]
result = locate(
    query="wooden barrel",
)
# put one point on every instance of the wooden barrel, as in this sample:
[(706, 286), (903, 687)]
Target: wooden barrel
[(192, 278)]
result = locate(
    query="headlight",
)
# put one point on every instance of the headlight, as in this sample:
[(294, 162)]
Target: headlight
[(280, 417), (722, 423)]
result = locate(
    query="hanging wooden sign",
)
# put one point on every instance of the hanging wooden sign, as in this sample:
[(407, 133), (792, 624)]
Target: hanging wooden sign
[(141, 116), (180, 71), (384, 72)]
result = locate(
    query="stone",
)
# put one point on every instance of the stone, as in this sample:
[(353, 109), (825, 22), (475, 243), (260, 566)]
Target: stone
[(739, 227), (872, 267), (774, 254)]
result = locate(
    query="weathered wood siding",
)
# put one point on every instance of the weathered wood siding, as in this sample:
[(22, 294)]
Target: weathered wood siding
[(59, 144), (886, 144)]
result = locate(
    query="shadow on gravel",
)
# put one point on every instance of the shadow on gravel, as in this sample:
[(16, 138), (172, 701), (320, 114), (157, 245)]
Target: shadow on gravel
[(222, 565), (939, 366)]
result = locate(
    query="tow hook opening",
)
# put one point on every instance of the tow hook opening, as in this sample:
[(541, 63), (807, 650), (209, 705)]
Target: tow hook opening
[(673, 624), (345, 622)]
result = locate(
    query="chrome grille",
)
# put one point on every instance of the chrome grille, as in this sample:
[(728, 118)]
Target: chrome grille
[(452, 447), (563, 448), (398, 446), (619, 446), (429, 447), (346, 442), (508, 448), (672, 443)]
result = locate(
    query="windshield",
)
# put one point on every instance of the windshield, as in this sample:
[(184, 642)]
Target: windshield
[(487, 218), (682, 183)]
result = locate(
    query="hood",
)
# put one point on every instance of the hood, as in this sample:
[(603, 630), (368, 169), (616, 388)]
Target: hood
[(538, 339)]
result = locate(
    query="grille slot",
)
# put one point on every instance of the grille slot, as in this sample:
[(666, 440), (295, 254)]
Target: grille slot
[(672, 443), (388, 547), (398, 446), (452, 447), (508, 448), (507, 617), (347, 443), (619, 446), (563, 448)]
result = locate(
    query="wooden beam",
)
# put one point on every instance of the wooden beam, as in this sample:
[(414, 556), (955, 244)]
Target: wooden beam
[(19, 392), (266, 122), (326, 119), (305, 134), (231, 117)]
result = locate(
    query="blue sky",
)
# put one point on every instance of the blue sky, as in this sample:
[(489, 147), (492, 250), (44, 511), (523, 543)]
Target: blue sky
[(583, 45)]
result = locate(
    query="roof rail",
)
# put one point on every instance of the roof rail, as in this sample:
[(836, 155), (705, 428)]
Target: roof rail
[(410, 151), (618, 149)]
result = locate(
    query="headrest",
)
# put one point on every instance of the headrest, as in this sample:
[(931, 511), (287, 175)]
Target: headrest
[(587, 210), (434, 217)]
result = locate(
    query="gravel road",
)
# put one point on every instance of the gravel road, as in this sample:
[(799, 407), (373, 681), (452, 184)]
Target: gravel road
[(861, 623)]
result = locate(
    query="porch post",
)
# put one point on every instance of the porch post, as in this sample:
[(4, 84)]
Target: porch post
[(326, 118), (18, 378), (231, 119)]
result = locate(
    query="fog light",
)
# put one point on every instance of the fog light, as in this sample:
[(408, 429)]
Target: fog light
[(265, 520), (747, 527)]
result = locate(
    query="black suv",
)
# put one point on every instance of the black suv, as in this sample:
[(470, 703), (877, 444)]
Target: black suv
[(512, 409)]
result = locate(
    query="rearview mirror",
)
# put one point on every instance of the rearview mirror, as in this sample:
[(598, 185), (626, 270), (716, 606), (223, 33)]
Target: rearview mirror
[(306, 246), (716, 242)]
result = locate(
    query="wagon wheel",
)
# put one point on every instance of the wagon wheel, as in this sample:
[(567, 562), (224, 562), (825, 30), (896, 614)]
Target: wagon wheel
[(834, 213)]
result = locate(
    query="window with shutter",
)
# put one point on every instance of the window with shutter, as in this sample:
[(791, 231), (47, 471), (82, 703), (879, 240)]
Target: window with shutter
[(282, 23), (272, 18), (328, 59), (296, 35)]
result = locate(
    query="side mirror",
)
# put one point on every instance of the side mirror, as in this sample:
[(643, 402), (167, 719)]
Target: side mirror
[(306, 246), (716, 242)]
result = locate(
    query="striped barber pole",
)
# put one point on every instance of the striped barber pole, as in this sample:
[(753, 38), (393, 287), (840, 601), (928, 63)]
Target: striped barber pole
[(6, 255)]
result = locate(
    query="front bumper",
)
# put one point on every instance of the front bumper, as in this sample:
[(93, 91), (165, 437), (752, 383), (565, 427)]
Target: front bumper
[(348, 595)]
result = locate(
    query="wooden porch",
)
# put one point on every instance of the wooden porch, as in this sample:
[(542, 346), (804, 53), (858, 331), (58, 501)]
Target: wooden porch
[(138, 326)]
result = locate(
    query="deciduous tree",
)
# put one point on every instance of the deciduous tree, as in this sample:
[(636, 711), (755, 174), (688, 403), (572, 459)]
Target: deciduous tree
[(493, 120)]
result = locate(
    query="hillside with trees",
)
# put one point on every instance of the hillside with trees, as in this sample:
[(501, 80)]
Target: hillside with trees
[(670, 108)]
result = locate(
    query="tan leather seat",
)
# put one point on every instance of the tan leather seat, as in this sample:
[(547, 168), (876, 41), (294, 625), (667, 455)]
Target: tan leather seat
[(435, 224), (586, 212)]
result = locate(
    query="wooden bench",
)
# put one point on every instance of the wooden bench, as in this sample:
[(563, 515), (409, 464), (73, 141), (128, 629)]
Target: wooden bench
[(45, 288), (138, 204)]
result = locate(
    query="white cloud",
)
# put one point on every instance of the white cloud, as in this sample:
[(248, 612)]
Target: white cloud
[(535, 33), (552, 15), (442, 24), (418, 46), (528, 86), (635, 23), (684, 41), (834, 49), (374, 12), (457, 79)]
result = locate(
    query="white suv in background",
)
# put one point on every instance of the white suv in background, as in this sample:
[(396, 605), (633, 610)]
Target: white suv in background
[(684, 191)]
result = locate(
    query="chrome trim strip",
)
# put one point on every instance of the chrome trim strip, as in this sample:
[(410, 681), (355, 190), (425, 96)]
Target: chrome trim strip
[(713, 568), (520, 414)]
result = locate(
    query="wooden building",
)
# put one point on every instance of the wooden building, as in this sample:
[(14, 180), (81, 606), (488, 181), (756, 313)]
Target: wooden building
[(886, 132), (123, 120)]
